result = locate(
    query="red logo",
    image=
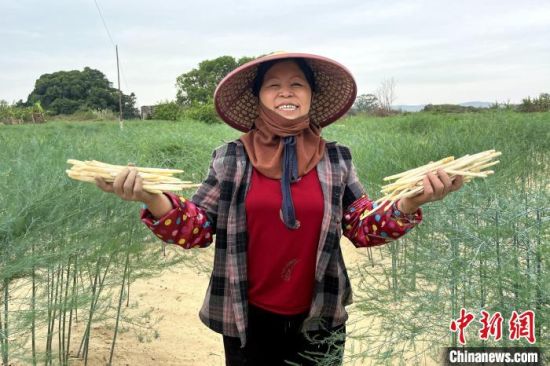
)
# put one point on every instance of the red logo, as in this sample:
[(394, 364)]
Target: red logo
[(519, 326), (491, 326), (522, 325), (463, 322)]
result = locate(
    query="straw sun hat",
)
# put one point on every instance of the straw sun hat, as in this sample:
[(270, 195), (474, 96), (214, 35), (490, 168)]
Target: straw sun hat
[(336, 91)]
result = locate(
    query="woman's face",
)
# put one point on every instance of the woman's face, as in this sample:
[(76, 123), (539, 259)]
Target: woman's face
[(286, 91)]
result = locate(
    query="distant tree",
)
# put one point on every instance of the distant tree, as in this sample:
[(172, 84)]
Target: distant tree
[(201, 112), (198, 85), (65, 92), (386, 94), (365, 103), (540, 104), (129, 110), (543, 101), (63, 106), (168, 110), (15, 114), (507, 106), (4, 111), (449, 108)]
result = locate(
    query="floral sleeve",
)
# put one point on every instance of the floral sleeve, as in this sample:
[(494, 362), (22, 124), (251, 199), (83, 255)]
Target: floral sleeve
[(186, 225), (379, 227)]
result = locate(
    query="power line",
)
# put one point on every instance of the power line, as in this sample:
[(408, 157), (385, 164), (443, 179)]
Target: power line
[(120, 69), (112, 42), (104, 23), (117, 62)]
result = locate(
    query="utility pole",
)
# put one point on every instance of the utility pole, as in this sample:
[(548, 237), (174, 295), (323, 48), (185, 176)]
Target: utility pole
[(119, 92)]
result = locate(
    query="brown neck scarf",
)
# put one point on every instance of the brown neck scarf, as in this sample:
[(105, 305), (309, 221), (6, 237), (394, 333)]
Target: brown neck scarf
[(285, 149), (264, 144)]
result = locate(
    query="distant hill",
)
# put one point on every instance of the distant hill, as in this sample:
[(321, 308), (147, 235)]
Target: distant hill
[(408, 107), (419, 107)]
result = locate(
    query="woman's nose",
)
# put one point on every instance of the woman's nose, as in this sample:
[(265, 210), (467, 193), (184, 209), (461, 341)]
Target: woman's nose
[(285, 92)]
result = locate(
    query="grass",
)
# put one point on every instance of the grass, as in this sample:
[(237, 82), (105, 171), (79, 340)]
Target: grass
[(485, 246)]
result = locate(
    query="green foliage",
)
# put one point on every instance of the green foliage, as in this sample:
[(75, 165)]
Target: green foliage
[(58, 232), (87, 86), (485, 246), (63, 106), (540, 104), (503, 106), (201, 112), (129, 111), (37, 108), (449, 108), (88, 115), (365, 103), (65, 92), (198, 85), (15, 114), (172, 111), (168, 111), (5, 111)]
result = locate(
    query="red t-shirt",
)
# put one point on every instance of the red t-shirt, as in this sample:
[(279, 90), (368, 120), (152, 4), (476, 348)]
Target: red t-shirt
[(281, 261)]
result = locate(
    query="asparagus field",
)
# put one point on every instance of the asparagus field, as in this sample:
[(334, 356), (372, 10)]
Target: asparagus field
[(70, 252)]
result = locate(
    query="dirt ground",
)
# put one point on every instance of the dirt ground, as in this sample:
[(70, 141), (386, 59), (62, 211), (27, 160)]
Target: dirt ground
[(182, 339), (175, 335)]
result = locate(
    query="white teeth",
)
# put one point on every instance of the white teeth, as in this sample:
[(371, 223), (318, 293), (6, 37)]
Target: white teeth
[(288, 107)]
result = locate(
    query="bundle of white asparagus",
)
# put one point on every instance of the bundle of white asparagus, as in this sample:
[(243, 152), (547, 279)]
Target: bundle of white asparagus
[(410, 183), (154, 180)]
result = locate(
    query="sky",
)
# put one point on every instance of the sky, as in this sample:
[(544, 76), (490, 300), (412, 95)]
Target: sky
[(437, 51)]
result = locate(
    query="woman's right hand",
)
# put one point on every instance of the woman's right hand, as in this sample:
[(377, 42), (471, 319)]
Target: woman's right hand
[(128, 185)]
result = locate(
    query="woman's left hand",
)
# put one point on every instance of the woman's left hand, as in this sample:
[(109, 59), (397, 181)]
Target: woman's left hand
[(435, 188)]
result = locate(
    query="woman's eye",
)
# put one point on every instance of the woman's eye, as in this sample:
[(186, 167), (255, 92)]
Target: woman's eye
[(296, 84)]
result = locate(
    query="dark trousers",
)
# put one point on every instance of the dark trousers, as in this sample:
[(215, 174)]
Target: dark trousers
[(276, 340)]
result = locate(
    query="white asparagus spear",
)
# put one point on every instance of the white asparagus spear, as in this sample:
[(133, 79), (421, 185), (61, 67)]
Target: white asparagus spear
[(155, 180), (410, 183)]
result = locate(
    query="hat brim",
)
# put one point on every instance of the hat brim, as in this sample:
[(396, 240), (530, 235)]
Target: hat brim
[(336, 91)]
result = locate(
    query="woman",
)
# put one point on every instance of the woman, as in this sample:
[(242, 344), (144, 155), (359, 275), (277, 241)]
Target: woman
[(278, 200)]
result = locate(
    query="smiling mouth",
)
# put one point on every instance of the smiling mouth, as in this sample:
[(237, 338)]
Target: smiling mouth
[(287, 107)]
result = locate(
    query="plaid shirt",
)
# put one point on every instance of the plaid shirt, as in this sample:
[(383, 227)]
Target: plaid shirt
[(218, 208)]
